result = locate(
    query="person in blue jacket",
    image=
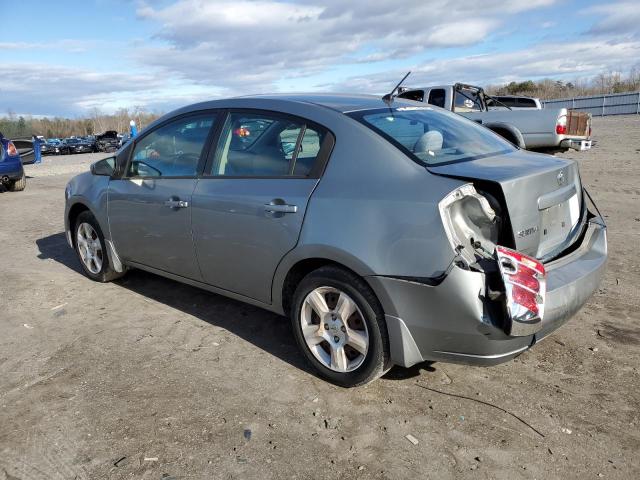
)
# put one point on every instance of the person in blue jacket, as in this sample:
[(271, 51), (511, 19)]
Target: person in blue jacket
[(36, 150)]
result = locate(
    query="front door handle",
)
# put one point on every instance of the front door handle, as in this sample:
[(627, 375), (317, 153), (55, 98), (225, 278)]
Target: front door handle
[(280, 208), (175, 202)]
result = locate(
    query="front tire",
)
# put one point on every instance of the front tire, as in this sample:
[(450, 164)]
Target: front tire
[(18, 185), (339, 326), (90, 247)]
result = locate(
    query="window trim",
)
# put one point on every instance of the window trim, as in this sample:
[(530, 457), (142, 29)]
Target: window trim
[(319, 166), (216, 115)]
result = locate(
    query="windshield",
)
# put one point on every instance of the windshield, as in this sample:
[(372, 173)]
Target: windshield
[(434, 136)]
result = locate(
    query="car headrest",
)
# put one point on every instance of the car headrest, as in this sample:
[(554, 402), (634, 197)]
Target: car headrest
[(429, 141)]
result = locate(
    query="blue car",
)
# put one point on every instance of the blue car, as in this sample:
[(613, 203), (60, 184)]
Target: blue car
[(11, 172)]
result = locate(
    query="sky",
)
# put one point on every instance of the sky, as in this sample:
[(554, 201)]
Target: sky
[(69, 58)]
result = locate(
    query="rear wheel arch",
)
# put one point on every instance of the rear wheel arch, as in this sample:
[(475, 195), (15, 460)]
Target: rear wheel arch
[(508, 132), (305, 266)]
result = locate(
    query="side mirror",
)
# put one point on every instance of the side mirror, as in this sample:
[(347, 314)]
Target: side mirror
[(104, 167)]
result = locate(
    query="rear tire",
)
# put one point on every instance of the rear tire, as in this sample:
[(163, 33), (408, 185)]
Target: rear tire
[(339, 325), (18, 185), (91, 248)]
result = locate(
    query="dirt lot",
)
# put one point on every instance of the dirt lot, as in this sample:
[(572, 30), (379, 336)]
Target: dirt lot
[(148, 378)]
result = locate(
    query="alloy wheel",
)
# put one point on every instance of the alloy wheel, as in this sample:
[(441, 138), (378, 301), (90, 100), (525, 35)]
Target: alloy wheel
[(334, 329), (89, 247)]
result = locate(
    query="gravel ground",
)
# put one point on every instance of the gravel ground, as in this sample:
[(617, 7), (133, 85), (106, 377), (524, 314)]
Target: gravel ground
[(148, 378)]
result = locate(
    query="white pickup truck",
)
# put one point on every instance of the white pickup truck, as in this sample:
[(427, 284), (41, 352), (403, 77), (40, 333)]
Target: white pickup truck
[(549, 130)]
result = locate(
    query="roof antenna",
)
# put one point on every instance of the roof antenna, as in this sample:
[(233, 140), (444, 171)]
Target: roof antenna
[(388, 98)]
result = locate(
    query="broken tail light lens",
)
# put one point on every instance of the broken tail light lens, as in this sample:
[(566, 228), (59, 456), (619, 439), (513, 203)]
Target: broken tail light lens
[(12, 150), (525, 285), (467, 215)]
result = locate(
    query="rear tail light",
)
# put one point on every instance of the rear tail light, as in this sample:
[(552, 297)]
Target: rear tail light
[(525, 285), (12, 150), (561, 125)]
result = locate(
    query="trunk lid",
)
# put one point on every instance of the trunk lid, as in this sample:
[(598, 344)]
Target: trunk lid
[(543, 196)]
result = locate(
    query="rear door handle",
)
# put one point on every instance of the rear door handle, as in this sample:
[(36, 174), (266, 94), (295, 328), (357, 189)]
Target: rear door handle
[(276, 208), (175, 202)]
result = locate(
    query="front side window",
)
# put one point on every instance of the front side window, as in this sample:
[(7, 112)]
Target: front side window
[(266, 145), (433, 137), (172, 150)]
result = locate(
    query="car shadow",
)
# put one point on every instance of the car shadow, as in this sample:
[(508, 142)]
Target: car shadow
[(402, 373), (55, 247), (267, 331)]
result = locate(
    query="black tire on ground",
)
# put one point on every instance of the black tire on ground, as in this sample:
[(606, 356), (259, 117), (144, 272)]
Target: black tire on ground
[(18, 185), (377, 360), (106, 273)]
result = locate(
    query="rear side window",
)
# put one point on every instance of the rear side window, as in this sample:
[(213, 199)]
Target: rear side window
[(433, 137), (436, 97), (505, 102), (172, 150), (267, 145), (527, 102)]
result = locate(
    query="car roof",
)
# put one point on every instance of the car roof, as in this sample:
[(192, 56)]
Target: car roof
[(342, 103), (335, 103)]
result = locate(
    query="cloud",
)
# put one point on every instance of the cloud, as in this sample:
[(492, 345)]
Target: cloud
[(620, 19), (617, 19), (252, 44), (202, 49), (68, 45), (578, 59), (42, 89)]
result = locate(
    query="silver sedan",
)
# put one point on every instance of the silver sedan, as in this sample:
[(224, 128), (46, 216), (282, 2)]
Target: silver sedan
[(389, 232)]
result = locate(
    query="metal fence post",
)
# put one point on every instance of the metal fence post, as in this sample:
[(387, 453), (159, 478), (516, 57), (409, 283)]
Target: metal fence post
[(638, 105), (604, 98)]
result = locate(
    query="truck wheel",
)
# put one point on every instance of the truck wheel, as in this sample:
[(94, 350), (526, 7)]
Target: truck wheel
[(91, 249), (339, 326), (18, 185)]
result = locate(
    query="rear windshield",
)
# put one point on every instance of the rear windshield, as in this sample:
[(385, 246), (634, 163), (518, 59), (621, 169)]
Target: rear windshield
[(433, 136)]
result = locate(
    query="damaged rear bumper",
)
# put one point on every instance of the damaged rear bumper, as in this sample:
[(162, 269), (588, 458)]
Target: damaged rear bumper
[(455, 321)]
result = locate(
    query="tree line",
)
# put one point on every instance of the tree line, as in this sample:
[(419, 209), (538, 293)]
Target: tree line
[(547, 89), (19, 126)]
